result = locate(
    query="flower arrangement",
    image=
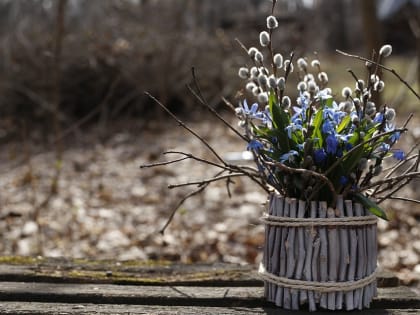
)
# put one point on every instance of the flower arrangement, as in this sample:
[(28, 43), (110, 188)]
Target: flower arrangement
[(321, 158), (318, 146), (321, 145)]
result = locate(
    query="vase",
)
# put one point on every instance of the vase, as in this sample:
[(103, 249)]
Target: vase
[(319, 257)]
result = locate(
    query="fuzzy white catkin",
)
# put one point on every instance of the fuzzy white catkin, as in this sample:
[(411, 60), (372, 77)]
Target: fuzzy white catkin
[(252, 51), (264, 38), (315, 63), (390, 114), (285, 102), (302, 86), (346, 92), (288, 65), (309, 77), (312, 87), (385, 51), (374, 78), (243, 73), (256, 90), (278, 61), (360, 84), (263, 97), (259, 57), (272, 22), (379, 86), (281, 83), (302, 64), (323, 77), (272, 81), (262, 80), (254, 72), (250, 86)]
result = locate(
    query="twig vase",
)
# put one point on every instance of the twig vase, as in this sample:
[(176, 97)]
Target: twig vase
[(319, 257)]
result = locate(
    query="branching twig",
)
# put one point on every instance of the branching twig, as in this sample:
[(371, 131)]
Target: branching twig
[(199, 95), (383, 67), (206, 181), (183, 125), (308, 172)]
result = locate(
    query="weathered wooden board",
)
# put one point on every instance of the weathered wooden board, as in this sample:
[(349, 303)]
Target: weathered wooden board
[(125, 272), (77, 286), (137, 272), (402, 297), (78, 309)]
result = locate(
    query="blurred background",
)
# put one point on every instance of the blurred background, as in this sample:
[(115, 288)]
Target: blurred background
[(75, 124)]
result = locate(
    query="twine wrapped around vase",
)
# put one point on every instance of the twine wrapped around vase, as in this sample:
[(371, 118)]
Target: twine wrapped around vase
[(326, 258)]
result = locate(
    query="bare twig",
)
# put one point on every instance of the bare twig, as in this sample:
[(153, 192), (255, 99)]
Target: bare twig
[(199, 96), (180, 202), (183, 125), (391, 180), (308, 172), (206, 181)]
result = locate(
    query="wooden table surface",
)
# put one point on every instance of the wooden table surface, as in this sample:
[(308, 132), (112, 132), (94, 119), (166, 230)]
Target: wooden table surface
[(78, 286)]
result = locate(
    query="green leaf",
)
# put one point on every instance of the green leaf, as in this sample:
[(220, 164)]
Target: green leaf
[(371, 206), (327, 101), (317, 124), (344, 122)]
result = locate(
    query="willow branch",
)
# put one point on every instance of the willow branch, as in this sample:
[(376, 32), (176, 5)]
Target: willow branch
[(383, 67)]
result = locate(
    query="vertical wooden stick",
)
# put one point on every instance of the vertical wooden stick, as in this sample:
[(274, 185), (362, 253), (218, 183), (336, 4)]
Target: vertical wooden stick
[(277, 295), (290, 253), (353, 258), (267, 248), (301, 252), (333, 258), (310, 261), (361, 259), (315, 266), (344, 251), (323, 256), (282, 273), (269, 244)]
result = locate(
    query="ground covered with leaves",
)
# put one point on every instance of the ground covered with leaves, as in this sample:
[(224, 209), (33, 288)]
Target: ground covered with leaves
[(105, 206)]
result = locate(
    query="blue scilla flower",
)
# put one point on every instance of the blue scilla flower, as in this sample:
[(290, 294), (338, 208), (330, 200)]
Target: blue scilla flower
[(398, 154), (384, 147), (289, 156), (379, 118), (267, 120), (332, 144), (395, 136), (320, 157), (343, 180), (328, 127), (253, 111), (292, 128), (254, 145)]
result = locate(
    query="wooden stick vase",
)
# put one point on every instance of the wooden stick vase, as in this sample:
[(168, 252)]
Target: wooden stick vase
[(319, 257)]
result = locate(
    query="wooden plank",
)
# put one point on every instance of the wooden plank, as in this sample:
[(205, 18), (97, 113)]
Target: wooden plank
[(399, 297), (66, 309), (125, 272), (62, 270)]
